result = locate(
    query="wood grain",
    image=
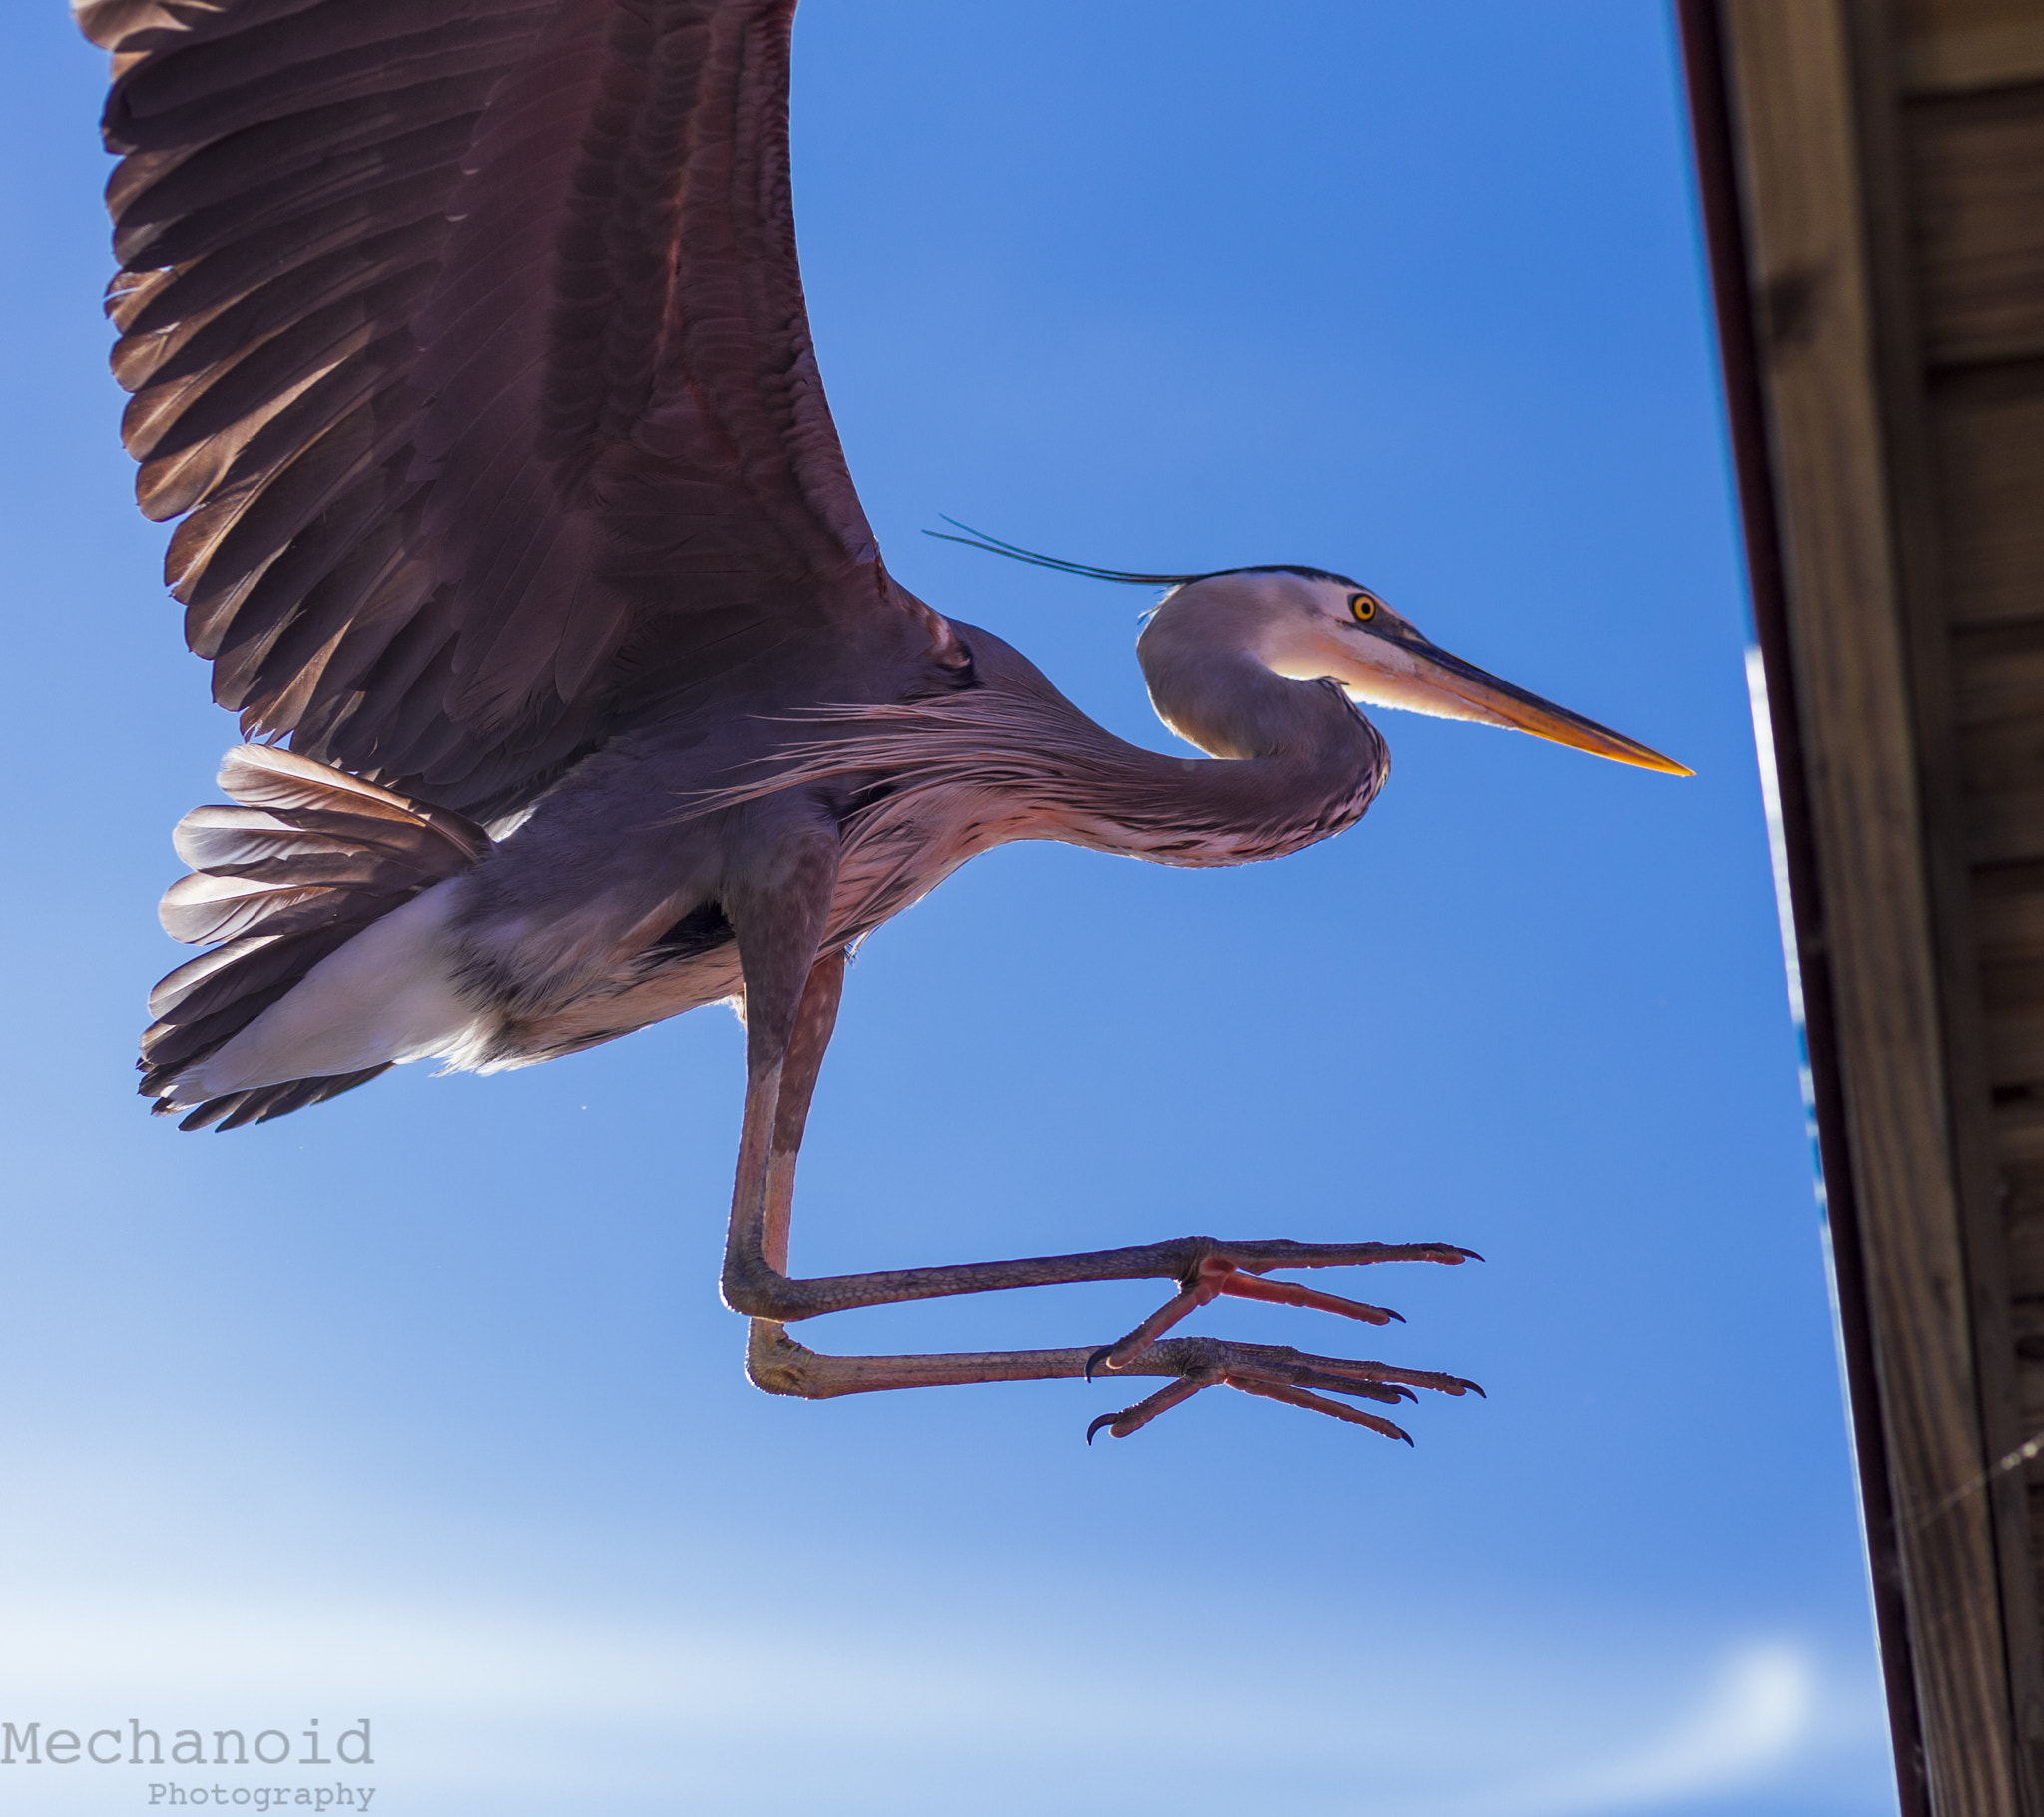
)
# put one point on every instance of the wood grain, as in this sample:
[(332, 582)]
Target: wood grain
[(1976, 203), (1987, 448), (1833, 316), (1946, 46)]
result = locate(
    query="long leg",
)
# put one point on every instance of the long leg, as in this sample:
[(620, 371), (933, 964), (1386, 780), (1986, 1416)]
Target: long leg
[(776, 1363), (789, 1019), (756, 1280), (815, 1019)]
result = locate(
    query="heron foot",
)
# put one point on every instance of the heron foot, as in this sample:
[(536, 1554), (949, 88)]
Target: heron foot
[(1278, 1373), (776, 1363), (1237, 1268)]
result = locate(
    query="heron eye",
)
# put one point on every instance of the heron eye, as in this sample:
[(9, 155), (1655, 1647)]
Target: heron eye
[(1364, 606)]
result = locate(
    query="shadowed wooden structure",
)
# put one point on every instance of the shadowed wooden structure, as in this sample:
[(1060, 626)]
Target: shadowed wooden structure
[(1872, 178)]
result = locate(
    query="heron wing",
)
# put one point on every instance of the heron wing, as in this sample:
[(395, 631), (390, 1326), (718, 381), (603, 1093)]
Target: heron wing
[(468, 338)]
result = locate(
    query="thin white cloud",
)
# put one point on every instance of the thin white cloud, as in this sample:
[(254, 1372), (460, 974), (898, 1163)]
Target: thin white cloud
[(480, 1704), (503, 1690), (1759, 1714)]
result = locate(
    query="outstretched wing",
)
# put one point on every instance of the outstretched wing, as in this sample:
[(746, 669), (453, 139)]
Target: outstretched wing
[(470, 336)]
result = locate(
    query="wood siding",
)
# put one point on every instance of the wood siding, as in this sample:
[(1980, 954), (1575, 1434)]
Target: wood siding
[(1886, 243)]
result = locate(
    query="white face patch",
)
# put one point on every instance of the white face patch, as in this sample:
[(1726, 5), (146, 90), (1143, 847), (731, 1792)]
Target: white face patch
[(1309, 631), (1306, 626)]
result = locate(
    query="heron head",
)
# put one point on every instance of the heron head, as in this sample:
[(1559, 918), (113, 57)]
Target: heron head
[(1310, 625)]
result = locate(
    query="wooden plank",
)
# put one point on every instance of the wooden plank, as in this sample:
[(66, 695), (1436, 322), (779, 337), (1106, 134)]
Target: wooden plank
[(1797, 82), (2019, 1137), (2020, 1134), (2007, 901), (1745, 419), (1952, 45), (1998, 715), (1976, 170), (2024, 1174), (2005, 825), (1998, 675), (1987, 450), (2015, 1043), (1925, 519), (2009, 926)]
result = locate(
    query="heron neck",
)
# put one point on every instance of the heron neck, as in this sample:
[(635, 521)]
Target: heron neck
[(1296, 763), (1012, 758), (1223, 699)]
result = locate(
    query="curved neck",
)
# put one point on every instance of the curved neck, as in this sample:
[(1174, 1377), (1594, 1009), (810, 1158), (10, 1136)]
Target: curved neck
[(1230, 705), (1012, 758), (1209, 684)]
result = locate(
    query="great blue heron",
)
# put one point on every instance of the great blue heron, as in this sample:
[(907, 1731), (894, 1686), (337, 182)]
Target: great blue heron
[(468, 338)]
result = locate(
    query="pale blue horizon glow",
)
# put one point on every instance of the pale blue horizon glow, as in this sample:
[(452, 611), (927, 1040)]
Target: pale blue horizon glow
[(421, 1405)]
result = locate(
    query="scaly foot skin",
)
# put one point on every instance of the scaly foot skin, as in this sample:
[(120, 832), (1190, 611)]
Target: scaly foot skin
[(1281, 1374), (1235, 1269)]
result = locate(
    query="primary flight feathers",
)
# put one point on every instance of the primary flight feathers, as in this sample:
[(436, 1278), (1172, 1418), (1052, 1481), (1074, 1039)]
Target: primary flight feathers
[(470, 336)]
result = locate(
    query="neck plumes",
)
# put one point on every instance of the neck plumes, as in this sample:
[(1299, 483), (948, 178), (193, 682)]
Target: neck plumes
[(1011, 758)]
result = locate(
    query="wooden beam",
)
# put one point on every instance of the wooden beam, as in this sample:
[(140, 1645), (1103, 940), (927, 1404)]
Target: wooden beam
[(1746, 428), (1846, 561), (1904, 220)]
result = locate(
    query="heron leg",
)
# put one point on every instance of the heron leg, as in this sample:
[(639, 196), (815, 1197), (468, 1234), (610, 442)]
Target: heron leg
[(791, 1015), (1205, 1267), (815, 1019), (776, 1363)]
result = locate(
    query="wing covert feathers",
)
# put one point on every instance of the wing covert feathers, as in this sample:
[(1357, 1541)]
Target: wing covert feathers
[(467, 339), (300, 862)]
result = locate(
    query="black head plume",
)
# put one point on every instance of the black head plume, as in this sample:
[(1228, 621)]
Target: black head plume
[(978, 539), (993, 545)]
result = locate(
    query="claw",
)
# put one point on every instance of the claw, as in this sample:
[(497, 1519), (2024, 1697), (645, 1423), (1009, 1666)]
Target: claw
[(1281, 1374), (1384, 1373), (1319, 1402), (1134, 1419), (1376, 1381)]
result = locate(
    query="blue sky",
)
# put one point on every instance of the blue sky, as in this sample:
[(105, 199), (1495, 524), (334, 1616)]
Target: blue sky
[(421, 1405)]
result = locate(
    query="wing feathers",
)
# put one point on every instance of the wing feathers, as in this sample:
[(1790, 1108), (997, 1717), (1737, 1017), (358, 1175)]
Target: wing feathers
[(238, 394), (175, 295), (218, 173), (337, 52), (219, 338), (276, 206), (467, 339), (270, 515), (232, 610), (196, 987), (272, 628), (303, 848), (261, 775), (303, 861), (131, 27)]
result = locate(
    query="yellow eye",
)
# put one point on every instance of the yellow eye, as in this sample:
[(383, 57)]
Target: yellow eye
[(1364, 606)]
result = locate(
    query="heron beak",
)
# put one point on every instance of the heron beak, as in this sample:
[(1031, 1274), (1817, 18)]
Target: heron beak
[(1443, 685)]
